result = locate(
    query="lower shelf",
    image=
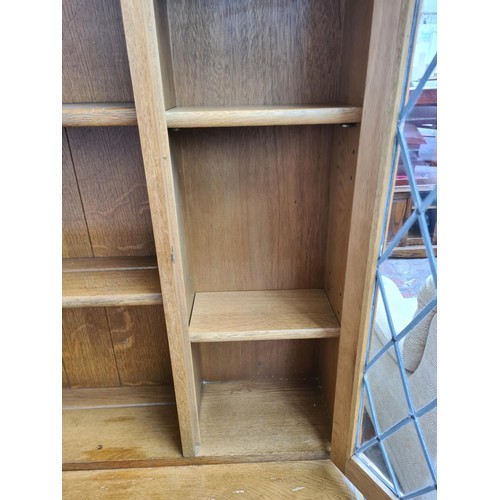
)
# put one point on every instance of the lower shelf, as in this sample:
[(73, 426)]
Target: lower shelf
[(119, 427), (308, 480), (284, 419), (240, 422)]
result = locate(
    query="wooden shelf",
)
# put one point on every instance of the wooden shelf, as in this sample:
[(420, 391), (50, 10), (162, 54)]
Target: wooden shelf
[(285, 419), (123, 114), (99, 282), (98, 115), (255, 116), (313, 479), (262, 315), (119, 427)]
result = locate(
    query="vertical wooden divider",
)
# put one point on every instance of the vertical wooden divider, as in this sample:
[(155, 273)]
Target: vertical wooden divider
[(144, 22)]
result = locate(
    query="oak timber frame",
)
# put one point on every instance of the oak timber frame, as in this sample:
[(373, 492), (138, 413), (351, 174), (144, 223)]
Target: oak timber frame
[(146, 36)]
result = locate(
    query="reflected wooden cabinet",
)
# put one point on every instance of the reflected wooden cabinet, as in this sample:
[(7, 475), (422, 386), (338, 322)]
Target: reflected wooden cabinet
[(411, 244)]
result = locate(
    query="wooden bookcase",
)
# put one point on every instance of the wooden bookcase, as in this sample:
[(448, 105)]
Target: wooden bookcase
[(210, 156)]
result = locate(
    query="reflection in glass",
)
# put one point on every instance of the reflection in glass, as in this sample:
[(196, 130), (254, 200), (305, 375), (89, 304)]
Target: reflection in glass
[(387, 392), (408, 461)]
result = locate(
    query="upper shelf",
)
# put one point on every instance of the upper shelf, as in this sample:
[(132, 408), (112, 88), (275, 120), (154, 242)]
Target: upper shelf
[(107, 114), (262, 315), (120, 281), (258, 116)]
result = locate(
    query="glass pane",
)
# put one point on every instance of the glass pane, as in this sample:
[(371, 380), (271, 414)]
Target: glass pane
[(381, 333), (425, 43), (386, 386), (408, 460), (428, 426)]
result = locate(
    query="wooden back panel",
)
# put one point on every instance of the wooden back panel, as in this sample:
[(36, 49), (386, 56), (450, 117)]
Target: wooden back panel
[(111, 183), (94, 56), (255, 51), (257, 206), (267, 359), (106, 347)]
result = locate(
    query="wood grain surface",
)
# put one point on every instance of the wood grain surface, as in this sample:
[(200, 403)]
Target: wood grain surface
[(252, 52), (117, 397), (75, 234), (97, 264), (65, 381), (257, 202), (328, 352), (120, 435), (372, 487), (87, 349), (152, 96), (94, 56), (388, 48), (87, 283), (246, 116), (260, 359), (140, 345), (98, 115), (110, 174), (264, 417), (342, 177), (123, 114), (312, 480), (262, 315)]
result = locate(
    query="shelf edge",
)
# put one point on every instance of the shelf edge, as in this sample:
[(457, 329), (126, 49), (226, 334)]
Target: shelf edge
[(246, 116), (99, 115), (124, 114), (313, 333)]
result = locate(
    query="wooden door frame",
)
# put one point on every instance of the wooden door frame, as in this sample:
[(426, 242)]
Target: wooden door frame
[(387, 60)]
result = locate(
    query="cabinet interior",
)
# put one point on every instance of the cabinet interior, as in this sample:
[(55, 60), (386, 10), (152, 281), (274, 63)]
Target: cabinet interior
[(263, 214)]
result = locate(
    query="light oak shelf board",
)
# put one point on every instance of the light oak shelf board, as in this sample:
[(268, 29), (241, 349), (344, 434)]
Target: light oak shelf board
[(100, 282), (254, 116), (307, 479), (262, 315), (134, 426), (98, 115), (284, 419), (123, 114)]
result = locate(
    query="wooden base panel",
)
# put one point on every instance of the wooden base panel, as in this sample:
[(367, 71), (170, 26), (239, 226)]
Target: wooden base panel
[(286, 420), (305, 479)]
